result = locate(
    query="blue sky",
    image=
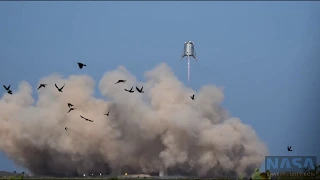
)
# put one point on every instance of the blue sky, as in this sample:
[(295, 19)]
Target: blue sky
[(263, 53)]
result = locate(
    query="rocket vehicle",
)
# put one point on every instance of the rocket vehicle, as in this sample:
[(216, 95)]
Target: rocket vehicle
[(188, 50)]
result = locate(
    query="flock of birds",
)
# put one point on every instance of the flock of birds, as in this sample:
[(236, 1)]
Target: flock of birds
[(71, 106)]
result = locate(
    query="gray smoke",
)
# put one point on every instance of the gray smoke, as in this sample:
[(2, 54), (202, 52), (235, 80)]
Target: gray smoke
[(162, 130)]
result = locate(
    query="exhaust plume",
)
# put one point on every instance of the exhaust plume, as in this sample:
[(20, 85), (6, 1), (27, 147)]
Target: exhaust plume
[(188, 71), (161, 131)]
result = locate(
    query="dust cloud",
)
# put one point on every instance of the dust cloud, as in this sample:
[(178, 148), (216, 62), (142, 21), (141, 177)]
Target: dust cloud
[(159, 131)]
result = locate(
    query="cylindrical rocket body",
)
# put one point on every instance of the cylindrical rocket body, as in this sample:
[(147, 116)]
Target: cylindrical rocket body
[(188, 49)]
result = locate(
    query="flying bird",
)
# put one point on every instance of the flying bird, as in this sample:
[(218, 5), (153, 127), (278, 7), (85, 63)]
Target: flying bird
[(9, 92), (81, 65), (59, 89), (86, 119), (71, 109), (140, 90), (7, 88), (289, 148), (130, 91), (70, 105), (42, 85), (107, 113), (66, 128), (121, 81), (192, 97)]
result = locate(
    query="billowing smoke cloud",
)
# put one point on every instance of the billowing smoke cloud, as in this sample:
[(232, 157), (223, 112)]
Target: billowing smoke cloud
[(162, 130)]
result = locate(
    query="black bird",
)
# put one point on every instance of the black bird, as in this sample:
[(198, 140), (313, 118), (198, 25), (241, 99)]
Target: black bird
[(9, 92), (140, 90), (42, 85), (70, 105), (107, 113), (289, 148), (7, 88), (130, 91), (121, 81), (192, 97), (71, 109), (86, 119), (66, 128), (81, 65), (59, 89)]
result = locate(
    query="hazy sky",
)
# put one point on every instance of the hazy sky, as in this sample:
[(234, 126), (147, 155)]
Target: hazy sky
[(263, 53)]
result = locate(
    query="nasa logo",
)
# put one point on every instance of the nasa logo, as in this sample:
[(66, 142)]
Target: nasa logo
[(278, 164)]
